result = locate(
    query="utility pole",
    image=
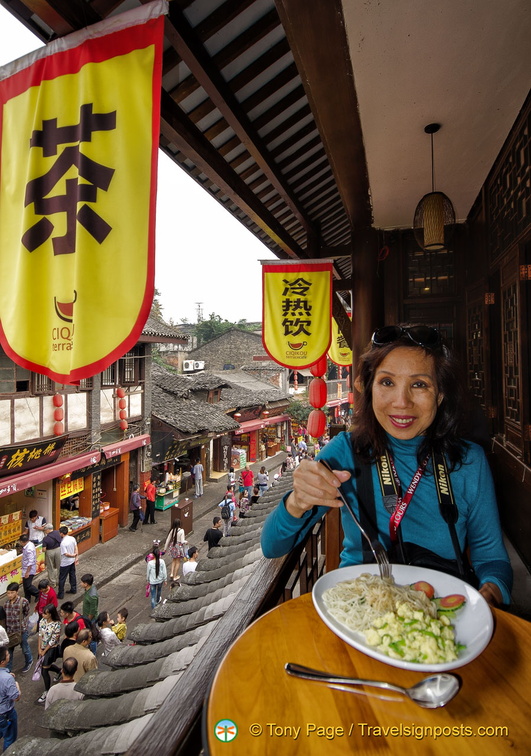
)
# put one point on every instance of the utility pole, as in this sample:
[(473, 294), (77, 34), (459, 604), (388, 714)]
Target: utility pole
[(199, 312)]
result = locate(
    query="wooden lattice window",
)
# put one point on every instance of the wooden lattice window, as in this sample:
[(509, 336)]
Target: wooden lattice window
[(511, 362), (476, 352)]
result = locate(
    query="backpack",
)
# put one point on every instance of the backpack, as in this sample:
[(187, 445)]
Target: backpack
[(226, 510)]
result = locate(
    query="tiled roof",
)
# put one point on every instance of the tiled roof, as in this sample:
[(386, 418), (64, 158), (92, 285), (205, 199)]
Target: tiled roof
[(156, 327), (142, 675), (189, 415)]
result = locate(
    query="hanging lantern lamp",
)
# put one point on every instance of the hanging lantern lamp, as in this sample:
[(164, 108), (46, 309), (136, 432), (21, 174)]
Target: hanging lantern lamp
[(434, 220)]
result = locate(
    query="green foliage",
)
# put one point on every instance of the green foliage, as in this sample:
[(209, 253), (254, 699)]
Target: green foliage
[(156, 307), (299, 409), (207, 330)]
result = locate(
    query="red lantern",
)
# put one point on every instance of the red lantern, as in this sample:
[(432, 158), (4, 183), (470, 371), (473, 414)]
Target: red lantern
[(120, 393), (58, 429), (319, 368), (122, 404), (58, 414), (123, 414), (316, 424), (318, 391), (124, 424), (57, 400), (350, 397)]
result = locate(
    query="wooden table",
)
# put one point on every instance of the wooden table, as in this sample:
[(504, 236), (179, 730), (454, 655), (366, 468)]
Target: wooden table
[(490, 716)]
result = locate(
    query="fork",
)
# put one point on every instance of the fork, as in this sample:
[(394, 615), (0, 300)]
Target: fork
[(380, 554)]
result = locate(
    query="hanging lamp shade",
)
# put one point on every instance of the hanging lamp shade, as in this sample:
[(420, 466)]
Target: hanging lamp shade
[(433, 222), (434, 219)]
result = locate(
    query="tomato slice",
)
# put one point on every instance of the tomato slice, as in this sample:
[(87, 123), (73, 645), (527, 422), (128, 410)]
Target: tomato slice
[(453, 601), (425, 587)]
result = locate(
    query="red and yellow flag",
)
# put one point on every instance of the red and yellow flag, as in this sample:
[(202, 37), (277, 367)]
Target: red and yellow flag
[(297, 309), (340, 353), (79, 134)]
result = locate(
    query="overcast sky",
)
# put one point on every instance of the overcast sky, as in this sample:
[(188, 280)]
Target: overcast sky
[(203, 254)]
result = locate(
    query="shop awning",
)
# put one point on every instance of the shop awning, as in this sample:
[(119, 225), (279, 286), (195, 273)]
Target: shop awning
[(252, 425), (337, 402), (128, 444), (47, 472)]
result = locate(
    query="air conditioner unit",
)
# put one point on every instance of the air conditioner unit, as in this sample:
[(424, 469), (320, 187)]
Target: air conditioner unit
[(199, 365), (188, 365)]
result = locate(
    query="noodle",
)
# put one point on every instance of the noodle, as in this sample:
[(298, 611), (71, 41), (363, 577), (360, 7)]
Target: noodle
[(358, 603)]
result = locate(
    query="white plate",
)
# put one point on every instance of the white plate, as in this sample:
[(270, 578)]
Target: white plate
[(473, 623)]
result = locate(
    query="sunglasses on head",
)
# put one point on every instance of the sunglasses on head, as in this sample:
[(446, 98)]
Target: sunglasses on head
[(423, 336)]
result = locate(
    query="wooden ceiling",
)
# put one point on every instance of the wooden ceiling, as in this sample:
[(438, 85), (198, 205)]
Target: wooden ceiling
[(260, 107)]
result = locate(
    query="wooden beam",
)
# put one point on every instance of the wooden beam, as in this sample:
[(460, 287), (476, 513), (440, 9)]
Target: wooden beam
[(178, 129), (329, 84), (342, 319), (182, 37)]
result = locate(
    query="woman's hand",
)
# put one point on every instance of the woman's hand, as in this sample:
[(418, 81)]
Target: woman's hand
[(314, 485), (492, 594)]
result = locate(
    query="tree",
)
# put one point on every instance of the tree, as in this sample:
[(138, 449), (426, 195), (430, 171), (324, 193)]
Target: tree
[(207, 330), (156, 307), (299, 410)]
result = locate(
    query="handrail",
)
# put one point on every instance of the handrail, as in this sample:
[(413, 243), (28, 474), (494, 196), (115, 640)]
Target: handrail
[(178, 721)]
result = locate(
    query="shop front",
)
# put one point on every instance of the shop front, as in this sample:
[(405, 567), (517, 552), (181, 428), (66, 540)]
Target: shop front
[(260, 438)]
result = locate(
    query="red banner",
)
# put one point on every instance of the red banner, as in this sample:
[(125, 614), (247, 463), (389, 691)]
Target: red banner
[(79, 134)]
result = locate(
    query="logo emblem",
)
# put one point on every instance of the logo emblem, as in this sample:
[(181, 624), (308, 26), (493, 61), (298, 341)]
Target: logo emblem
[(225, 730)]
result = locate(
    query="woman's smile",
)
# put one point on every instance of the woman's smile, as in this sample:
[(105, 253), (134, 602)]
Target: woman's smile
[(405, 397)]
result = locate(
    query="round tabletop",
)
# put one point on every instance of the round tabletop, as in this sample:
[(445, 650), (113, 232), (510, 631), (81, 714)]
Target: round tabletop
[(255, 707)]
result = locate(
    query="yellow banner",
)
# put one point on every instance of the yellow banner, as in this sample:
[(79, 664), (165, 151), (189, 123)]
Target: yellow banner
[(339, 352), (297, 307), (79, 128)]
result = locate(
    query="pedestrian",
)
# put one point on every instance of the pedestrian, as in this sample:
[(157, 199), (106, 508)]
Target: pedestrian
[(4, 638), (256, 495), (48, 647), (214, 535), (175, 544), (248, 480), (232, 479), (120, 626), (51, 545), (290, 462), (109, 639), (34, 527), (198, 479), (156, 575), (65, 690), (80, 651), (151, 494), (191, 564), (262, 480), (90, 597), (47, 595), (68, 614), (227, 513), (9, 694), (243, 503), (71, 631), (135, 506), (29, 567), (69, 559), (17, 611)]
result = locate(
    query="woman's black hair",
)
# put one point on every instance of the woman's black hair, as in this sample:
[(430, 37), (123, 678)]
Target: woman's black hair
[(156, 554), (102, 617), (52, 611), (175, 526), (444, 434)]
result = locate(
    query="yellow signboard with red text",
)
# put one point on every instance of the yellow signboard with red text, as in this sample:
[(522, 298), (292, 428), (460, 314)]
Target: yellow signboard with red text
[(340, 353), (297, 311), (79, 134)]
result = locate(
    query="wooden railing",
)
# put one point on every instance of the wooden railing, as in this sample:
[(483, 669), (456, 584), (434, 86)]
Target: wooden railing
[(179, 721)]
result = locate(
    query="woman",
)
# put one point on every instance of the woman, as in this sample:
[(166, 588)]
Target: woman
[(408, 416), (156, 576), (48, 645), (262, 480), (175, 543), (108, 638)]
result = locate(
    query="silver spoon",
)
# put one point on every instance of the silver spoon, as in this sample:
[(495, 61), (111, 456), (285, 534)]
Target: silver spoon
[(431, 693)]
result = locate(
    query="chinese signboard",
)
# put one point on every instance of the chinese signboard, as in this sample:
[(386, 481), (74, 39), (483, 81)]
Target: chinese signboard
[(339, 352), (297, 310), (70, 487), (79, 133), (16, 459)]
